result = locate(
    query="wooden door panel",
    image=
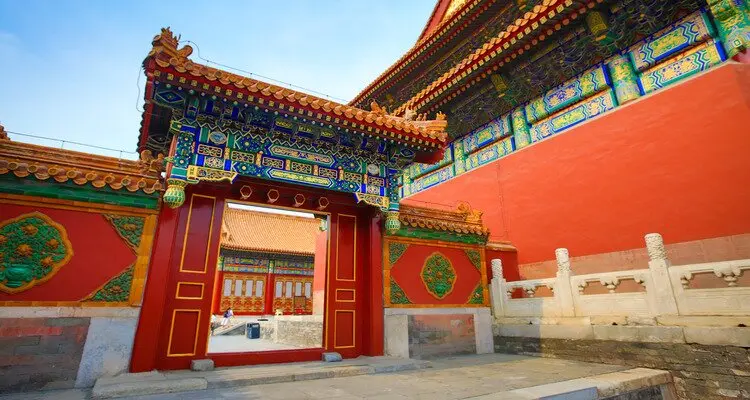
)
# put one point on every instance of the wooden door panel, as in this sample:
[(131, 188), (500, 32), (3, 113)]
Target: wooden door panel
[(188, 292), (344, 333)]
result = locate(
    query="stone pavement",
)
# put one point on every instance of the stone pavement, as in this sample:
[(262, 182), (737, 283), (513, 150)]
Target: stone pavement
[(240, 343), (450, 378)]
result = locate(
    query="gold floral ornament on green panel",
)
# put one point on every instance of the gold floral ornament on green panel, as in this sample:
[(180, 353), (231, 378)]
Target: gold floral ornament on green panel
[(475, 257), (438, 275), (397, 294), (117, 289), (128, 227), (477, 296), (395, 251), (33, 248)]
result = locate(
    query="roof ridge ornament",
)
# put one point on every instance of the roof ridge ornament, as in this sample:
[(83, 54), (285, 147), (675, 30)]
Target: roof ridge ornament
[(165, 46)]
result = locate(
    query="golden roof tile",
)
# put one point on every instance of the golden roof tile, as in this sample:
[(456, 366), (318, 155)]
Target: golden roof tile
[(425, 42), (266, 232), (166, 55), (495, 47), (43, 163), (463, 219)]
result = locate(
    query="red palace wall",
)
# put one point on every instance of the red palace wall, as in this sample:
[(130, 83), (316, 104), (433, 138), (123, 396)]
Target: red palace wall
[(406, 273), (675, 162), (99, 254)]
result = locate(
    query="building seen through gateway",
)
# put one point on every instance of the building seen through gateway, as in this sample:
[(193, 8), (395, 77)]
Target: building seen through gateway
[(272, 270), (554, 183)]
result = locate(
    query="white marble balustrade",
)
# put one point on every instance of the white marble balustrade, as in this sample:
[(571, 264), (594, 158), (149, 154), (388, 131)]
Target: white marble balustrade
[(666, 290)]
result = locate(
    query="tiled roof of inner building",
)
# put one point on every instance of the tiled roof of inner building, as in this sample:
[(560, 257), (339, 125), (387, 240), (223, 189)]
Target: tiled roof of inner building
[(166, 55), (531, 23), (447, 28), (266, 232)]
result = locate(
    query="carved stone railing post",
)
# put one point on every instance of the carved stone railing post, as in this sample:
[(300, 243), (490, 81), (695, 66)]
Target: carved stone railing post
[(563, 289), (497, 288), (659, 290)]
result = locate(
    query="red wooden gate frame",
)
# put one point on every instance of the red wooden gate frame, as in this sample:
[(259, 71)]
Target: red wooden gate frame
[(161, 298)]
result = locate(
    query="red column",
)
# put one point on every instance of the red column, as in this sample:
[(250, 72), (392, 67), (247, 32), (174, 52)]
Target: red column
[(218, 292), (270, 287)]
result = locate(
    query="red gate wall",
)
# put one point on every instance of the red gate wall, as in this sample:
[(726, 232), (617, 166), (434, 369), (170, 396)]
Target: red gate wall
[(174, 323)]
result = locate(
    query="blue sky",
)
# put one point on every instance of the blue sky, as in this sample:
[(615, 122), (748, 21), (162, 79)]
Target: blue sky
[(71, 69)]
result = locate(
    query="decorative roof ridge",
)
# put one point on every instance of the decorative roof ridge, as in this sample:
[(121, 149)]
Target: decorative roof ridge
[(435, 9), (43, 162), (421, 44), (166, 54), (539, 15), (463, 219)]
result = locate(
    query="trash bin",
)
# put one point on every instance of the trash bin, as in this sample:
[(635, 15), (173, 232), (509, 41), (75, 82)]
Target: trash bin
[(253, 330)]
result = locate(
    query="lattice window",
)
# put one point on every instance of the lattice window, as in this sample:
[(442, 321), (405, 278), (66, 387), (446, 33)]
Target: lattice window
[(227, 287)]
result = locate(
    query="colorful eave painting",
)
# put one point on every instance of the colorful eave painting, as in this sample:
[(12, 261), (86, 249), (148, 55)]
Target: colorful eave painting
[(220, 125), (536, 25), (429, 42)]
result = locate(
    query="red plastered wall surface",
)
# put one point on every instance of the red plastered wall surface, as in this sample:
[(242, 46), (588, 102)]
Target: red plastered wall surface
[(675, 162), (99, 254)]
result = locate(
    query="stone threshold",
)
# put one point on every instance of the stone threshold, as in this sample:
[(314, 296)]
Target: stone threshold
[(605, 386), (154, 382)]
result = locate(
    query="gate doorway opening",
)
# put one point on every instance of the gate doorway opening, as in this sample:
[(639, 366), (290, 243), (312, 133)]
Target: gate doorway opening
[(270, 280)]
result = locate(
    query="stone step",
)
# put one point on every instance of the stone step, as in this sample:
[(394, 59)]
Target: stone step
[(231, 329), (640, 383), (150, 383)]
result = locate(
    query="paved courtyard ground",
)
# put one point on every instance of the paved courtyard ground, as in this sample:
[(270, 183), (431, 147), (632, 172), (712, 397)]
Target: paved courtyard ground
[(240, 343), (450, 378)]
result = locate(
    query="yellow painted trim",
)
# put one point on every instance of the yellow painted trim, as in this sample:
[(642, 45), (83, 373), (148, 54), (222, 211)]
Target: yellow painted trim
[(187, 232), (354, 328), (354, 295), (171, 332), (177, 291), (142, 261), (338, 249)]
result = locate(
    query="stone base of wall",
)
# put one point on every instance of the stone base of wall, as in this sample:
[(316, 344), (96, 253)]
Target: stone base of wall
[(433, 336), (64, 347), (700, 372), (437, 332), (40, 353), (305, 331)]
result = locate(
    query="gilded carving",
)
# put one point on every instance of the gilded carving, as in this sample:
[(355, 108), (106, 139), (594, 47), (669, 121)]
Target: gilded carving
[(438, 275), (33, 248)]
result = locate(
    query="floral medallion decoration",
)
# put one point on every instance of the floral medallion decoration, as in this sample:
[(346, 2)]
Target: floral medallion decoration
[(477, 296), (395, 251), (438, 275), (116, 290), (475, 258), (397, 294), (33, 248), (129, 228)]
